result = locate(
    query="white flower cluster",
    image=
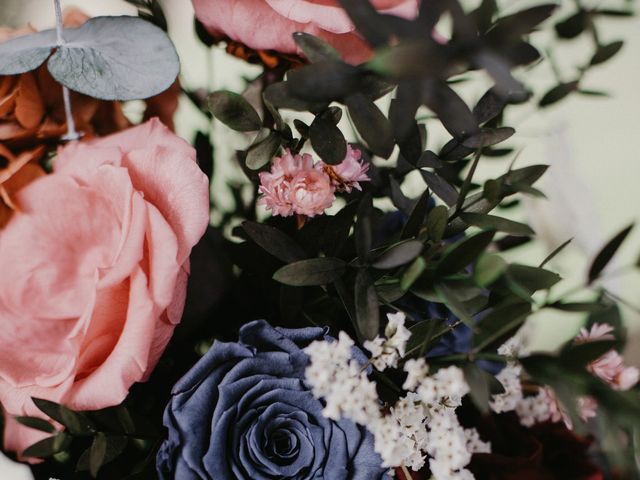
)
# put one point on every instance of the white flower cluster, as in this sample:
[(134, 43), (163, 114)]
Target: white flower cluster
[(423, 424), (343, 383), (385, 352), (509, 377)]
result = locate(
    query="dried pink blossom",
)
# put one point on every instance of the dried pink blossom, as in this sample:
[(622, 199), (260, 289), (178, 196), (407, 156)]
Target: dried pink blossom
[(349, 173), (609, 367), (311, 193), (587, 407), (295, 186)]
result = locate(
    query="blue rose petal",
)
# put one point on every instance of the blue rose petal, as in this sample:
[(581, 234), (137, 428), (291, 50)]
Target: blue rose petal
[(244, 412)]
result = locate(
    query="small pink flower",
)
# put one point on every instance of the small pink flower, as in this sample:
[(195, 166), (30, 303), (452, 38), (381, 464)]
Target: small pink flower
[(587, 407), (609, 367), (349, 173), (311, 193), (599, 331), (295, 186)]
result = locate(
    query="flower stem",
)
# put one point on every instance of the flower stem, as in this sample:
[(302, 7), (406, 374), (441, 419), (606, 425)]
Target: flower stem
[(72, 134)]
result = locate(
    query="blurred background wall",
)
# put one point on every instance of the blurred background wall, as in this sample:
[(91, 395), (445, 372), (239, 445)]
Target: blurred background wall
[(591, 143)]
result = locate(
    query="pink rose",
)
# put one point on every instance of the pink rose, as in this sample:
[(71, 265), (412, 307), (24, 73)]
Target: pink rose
[(94, 271), (270, 24)]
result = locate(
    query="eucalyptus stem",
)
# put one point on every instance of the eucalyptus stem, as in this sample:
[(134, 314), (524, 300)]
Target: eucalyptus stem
[(72, 134)]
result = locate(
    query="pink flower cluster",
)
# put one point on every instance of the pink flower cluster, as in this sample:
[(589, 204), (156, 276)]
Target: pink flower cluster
[(297, 185), (609, 367)]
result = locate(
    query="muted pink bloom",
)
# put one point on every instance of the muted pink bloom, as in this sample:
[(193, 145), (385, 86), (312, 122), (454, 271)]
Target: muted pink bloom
[(295, 186), (311, 193), (94, 271), (350, 172), (270, 24), (587, 407), (609, 367)]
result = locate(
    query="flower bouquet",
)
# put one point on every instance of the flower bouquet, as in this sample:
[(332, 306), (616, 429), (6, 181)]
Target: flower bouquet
[(345, 296)]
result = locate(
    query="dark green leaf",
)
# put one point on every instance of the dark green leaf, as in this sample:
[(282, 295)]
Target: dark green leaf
[(606, 254), (371, 124), (327, 139), (443, 189), (581, 354), (497, 223), (489, 106), (437, 222), (429, 159), (501, 321), (97, 453), (279, 96), (274, 241), (449, 298), (77, 423), (532, 279), (555, 252), (263, 149), (366, 301), (488, 137), (520, 23), (605, 52), (424, 334), (557, 93), (314, 271), (115, 445), (464, 253), (454, 114), (234, 111), (315, 49), (323, 81), (363, 232), (488, 269), (573, 26), (479, 383), (36, 423), (576, 306), (412, 273), (398, 254), (48, 447), (417, 217)]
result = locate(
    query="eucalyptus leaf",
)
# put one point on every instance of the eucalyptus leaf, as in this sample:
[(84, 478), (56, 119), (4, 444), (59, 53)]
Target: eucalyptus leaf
[(443, 189), (488, 137), (234, 111), (36, 423), (449, 298), (605, 52), (314, 271), (314, 48), (263, 149), (48, 447), (274, 241), (605, 255), (76, 422), (488, 269), (116, 58), (479, 386), (97, 453), (557, 93), (371, 123), (412, 273), (327, 139), (497, 223), (437, 222), (26, 53), (501, 321), (464, 253), (398, 254), (366, 302)]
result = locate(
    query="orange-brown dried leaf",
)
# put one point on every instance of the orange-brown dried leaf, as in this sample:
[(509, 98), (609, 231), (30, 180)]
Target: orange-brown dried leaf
[(29, 108)]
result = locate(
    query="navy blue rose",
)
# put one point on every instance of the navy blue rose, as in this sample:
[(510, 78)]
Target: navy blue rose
[(244, 412)]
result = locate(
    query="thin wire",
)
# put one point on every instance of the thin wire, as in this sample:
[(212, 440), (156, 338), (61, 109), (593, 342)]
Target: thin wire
[(72, 134)]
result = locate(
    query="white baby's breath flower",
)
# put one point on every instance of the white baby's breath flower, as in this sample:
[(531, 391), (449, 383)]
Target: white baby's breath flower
[(385, 352)]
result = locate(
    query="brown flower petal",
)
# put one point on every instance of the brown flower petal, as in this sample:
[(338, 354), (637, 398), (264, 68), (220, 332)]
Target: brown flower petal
[(29, 106)]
